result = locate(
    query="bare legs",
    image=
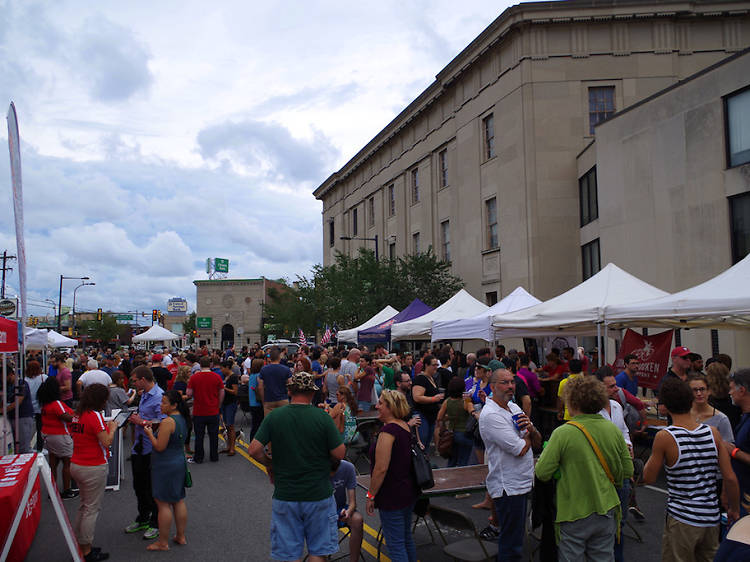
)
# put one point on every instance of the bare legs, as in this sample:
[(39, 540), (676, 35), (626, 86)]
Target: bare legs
[(355, 524), (165, 524), (231, 435)]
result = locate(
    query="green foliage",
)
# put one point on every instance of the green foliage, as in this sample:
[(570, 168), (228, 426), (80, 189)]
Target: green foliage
[(189, 325), (354, 288), (105, 330)]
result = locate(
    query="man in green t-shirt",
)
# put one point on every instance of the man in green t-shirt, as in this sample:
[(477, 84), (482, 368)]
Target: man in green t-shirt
[(304, 440)]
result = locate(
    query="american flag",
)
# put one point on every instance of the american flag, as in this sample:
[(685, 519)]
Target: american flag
[(302, 338), (326, 336)]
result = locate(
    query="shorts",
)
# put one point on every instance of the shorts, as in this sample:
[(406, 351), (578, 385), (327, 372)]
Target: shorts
[(59, 445), (228, 412), (295, 523)]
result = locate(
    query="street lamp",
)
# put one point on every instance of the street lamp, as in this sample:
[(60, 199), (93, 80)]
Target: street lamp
[(59, 299), (74, 303), (54, 306), (374, 239)]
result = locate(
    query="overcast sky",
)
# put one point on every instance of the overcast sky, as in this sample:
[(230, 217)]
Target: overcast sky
[(157, 134)]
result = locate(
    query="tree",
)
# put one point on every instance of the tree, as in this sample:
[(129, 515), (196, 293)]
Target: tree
[(189, 325), (105, 330), (354, 288)]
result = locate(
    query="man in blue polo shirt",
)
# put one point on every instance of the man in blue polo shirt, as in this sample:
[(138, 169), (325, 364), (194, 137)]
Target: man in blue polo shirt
[(628, 379), (739, 392)]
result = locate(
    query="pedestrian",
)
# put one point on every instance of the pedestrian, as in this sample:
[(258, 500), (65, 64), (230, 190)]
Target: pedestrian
[(344, 414), (35, 378), (304, 440), (254, 399), (168, 469), (393, 490), (427, 399), (20, 401), (64, 377), (365, 377), (692, 455), (508, 436), (344, 482), (588, 505), (92, 437), (207, 390), (332, 379), (272, 382), (56, 418), (739, 391), (703, 412), (455, 413), (229, 405), (149, 411)]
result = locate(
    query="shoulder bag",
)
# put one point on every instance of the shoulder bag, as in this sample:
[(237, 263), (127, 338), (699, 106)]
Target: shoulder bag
[(421, 465), (445, 441), (597, 450)]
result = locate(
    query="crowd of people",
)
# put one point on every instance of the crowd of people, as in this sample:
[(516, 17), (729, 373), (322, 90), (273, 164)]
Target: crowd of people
[(483, 407)]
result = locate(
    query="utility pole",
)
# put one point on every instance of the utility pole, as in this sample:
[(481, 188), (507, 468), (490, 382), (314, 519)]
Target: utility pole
[(6, 257)]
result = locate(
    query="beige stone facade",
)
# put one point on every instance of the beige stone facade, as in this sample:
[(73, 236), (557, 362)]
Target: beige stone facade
[(235, 307), (506, 121)]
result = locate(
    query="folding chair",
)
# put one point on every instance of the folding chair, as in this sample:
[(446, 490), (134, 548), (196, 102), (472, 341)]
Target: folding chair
[(472, 549), (243, 399)]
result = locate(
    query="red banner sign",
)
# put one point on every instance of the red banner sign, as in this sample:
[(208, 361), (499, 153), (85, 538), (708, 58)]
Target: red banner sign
[(8, 335), (652, 353)]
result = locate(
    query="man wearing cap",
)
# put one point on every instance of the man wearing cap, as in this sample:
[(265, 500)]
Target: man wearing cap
[(304, 440)]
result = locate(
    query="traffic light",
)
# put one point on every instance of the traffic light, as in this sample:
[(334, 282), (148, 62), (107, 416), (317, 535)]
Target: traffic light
[(99, 314), (154, 315)]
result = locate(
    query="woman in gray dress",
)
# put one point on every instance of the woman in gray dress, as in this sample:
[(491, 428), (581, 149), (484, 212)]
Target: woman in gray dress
[(168, 465)]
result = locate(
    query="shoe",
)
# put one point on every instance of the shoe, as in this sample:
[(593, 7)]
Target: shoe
[(69, 494), (96, 555), (151, 534), (192, 460), (136, 526), (637, 513), (489, 533)]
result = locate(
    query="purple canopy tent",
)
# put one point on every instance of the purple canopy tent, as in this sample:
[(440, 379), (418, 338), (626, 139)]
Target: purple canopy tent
[(382, 332)]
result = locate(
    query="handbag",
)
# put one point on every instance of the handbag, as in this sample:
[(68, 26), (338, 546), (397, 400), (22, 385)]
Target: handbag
[(188, 477), (445, 441), (421, 465)]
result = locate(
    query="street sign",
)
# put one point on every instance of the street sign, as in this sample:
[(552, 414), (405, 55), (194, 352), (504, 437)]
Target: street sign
[(221, 265), (124, 317), (204, 322), (7, 307)]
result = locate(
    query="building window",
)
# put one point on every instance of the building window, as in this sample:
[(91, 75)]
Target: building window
[(371, 212), (489, 136), (587, 197), (443, 166), (354, 222), (490, 298), (737, 113), (392, 251), (391, 200), (491, 214), (331, 234), (601, 105), (591, 258), (739, 215), (415, 186), (415, 242), (445, 239)]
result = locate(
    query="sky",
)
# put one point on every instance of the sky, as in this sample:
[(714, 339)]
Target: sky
[(155, 135)]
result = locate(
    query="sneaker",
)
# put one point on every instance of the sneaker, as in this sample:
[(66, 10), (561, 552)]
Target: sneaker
[(151, 534), (489, 533), (637, 513), (136, 526), (69, 494), (96, 555)]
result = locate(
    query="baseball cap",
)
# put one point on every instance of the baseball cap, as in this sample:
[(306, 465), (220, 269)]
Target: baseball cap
[(302, 382), (680, 351), (494, 365), (156, 357)]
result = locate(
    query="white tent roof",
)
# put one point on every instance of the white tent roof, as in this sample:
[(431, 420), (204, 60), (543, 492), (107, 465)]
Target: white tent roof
[(480, 327), (351, 335), (578, 309), (460, 305), (719, 302), (156, 333), (34, 339), (58, 340)]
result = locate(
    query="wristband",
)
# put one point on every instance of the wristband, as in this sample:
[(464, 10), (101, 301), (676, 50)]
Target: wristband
[(734, 452), (369, 495)]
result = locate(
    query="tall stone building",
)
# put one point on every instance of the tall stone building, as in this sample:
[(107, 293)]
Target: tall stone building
[(483, 166)]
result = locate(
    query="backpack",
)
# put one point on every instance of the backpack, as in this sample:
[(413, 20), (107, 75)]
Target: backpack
[(632, 418)]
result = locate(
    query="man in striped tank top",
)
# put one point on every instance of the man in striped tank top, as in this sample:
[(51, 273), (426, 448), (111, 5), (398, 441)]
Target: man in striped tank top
[(692, 454)]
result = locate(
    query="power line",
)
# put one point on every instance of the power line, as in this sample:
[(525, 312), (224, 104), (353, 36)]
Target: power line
[(5, 268)]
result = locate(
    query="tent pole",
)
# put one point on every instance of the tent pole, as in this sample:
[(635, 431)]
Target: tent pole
[(6, 425), (599, 343)]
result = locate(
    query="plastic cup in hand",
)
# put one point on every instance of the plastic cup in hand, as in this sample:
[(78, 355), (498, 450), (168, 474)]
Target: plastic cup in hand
[(515, 420)]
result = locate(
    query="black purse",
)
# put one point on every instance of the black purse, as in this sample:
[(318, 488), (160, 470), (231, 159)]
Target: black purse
[(421, 464)]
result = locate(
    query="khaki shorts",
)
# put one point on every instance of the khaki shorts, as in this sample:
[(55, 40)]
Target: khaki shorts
[(687, 542), (268, 406), (59, 445)]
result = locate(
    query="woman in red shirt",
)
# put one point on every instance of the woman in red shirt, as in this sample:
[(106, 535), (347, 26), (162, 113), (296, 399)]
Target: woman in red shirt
[(92, 437), (56, 415)]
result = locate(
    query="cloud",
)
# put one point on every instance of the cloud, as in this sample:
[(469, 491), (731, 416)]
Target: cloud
[(268, 148)]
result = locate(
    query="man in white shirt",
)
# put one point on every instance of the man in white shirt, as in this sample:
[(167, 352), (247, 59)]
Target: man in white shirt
[(247, 363), (509, 457), (91, 376)]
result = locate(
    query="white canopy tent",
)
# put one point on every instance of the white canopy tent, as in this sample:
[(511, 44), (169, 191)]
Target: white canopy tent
[(58, 340), (35, 339), (580, 310), (480, 327), (721, 302), (351, 335), (156, 333), (461, 305)]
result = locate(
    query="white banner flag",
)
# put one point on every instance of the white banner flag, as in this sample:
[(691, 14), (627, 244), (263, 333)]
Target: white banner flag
[(14, 143)]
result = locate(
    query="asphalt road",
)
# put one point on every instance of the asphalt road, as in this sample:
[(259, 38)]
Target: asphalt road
[(229, 510)]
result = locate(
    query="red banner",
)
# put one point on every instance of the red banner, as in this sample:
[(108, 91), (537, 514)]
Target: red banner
[(652, 353), (8, 335)]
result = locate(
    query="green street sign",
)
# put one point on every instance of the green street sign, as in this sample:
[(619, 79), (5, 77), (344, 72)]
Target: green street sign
[(124, 317), (204, 322), (221, 265)]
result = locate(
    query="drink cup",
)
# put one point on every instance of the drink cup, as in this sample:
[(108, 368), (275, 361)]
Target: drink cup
[(515, 421)]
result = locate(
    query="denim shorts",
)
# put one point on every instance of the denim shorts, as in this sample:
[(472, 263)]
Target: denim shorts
[(294, 523), (228, 412)]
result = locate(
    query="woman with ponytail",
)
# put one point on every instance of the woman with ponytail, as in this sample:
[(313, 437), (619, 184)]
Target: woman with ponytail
[(168, 466)]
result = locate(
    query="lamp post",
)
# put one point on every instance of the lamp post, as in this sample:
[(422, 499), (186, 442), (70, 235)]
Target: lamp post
[(74, 303), (374, 239), (59, 299), (54, 306)]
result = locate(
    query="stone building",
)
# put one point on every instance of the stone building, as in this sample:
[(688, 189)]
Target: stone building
[(230, 311), (484, 165)]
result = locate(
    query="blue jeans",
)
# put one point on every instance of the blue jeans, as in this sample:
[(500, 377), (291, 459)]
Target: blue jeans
[(201, 424), (295, 523), (228, 413), (624, 494), (462, 447), (426, 431), (396, 525), (511, 518)]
